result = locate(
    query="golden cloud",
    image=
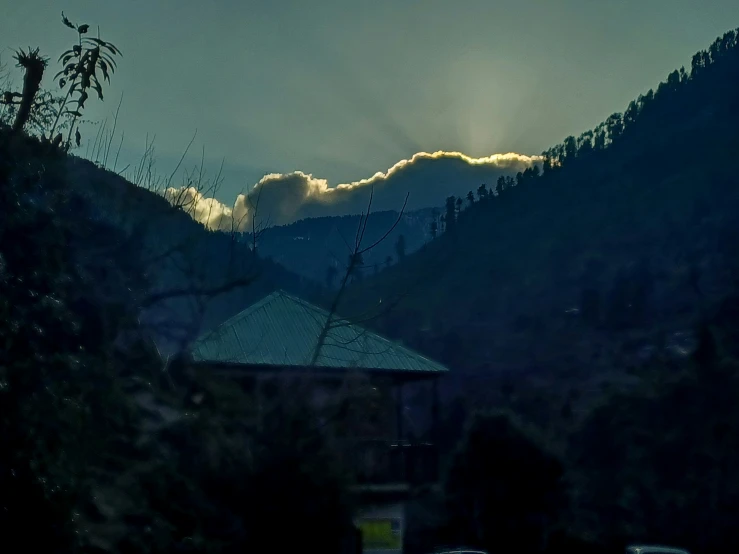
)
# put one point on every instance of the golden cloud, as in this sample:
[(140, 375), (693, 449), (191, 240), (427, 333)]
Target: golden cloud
[(283, 198)]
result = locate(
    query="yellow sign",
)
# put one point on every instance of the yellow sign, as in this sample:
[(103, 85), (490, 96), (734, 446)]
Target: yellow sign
[(381, 534)]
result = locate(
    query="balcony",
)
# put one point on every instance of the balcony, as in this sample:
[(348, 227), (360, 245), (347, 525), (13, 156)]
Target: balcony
[(387, 463)]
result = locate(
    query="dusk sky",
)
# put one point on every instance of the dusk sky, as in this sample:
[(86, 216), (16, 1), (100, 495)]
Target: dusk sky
[(343, 89)]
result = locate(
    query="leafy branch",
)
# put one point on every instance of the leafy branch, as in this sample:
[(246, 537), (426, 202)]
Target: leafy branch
[(83, 64)]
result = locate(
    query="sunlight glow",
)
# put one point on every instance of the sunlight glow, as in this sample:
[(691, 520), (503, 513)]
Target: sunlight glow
[(287, 193)]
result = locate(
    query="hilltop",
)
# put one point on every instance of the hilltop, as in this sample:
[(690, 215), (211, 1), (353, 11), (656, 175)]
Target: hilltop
[(198, 277)]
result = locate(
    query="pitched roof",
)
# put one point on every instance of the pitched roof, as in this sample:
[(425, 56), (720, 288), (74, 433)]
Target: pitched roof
[(282, 330)]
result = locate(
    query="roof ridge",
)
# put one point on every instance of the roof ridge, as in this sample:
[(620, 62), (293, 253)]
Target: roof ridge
[(356, 326), (353, 332), (314, 307), (407, 351)]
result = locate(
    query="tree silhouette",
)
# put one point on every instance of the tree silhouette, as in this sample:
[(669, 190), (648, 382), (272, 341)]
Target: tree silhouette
[(503, 488), (356, 265), (585, 143), (331, 273), (570, 148), (619, 312), (614, 126), (590, 305), (400, 247), (450, 215)]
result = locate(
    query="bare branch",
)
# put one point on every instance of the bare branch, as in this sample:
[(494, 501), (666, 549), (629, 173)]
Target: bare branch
[(390, 230), (118, 152), (354, 258), (112, 133)]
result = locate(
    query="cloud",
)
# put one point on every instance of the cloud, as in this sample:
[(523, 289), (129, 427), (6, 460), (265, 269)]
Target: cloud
[(278, 199)]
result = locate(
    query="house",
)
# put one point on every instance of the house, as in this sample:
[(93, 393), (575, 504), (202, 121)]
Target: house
[(282, 335)]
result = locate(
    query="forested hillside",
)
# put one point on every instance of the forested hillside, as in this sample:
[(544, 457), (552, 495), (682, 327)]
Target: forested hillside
[(106, 445), (596, 296), (625, 231), (317, 247), (196, 278)]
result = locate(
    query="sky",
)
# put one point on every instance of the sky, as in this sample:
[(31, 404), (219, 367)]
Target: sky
[(342, 89)]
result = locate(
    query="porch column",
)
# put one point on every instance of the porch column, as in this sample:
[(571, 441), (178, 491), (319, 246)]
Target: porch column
[(259, 394), (435, 410), (399, 412), (435, 429)]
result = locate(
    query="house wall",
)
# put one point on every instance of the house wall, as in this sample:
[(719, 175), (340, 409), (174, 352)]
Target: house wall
[(382, 526)]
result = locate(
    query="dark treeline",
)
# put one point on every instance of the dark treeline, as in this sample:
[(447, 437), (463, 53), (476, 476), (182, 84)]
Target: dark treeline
[(594, 295), (651, 113)]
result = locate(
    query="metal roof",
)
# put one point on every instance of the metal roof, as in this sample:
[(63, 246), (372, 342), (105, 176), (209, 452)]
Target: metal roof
[(282, 330)]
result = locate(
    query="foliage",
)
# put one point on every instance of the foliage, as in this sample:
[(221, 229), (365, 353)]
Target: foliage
[(62, 407), (518, 286), (575, 295), (400, 247), (82, 62), (44, 112), (669, 455), (503, 488), (99, 449), (220, 485)]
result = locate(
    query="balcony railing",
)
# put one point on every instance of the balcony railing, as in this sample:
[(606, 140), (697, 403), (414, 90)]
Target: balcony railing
[(379, 462)]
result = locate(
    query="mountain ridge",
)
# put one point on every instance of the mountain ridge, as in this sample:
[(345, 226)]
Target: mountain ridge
[(638, 208)]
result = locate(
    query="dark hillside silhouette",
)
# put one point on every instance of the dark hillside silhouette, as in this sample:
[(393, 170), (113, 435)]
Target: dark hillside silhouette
[(184, 260), (310, 246), (106, 446), (621, 231), (595, 295)]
